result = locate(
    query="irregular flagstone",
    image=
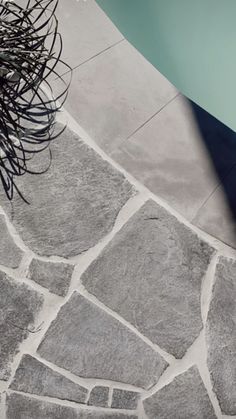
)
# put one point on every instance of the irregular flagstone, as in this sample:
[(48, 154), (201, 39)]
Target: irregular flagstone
[(123, 399), (10, 254), (21, 407), (91, 343), (19, 306), (221, 335), (151, 274), (73, 205), (185, 397), (55, 277), (99, 396), (34, 377)]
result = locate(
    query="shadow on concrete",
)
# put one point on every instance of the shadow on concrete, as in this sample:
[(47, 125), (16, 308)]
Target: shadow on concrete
[(220, 142)]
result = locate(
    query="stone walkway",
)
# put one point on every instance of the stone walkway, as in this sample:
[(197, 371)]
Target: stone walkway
[(112, 305)]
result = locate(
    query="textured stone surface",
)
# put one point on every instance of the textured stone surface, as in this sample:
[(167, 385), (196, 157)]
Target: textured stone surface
[(36, 378), (19, 305), (99, 396), (55, 277), (221, 335), (91, 343), (20, 407), (73, 205), (123, 399), (184, 398), (151, 274), (10, 254)]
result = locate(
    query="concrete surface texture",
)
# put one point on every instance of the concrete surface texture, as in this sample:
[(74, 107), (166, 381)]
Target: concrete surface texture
[(114, 304)]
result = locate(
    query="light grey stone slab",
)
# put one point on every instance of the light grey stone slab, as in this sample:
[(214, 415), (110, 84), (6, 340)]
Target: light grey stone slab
[(168, 156), (221, 335), (55, 277), (215, 216), (99, 396), (10, 254), (19, 306), (34, 377), (91, 343), (73, 205), (151, 274), (86, 31), (184, 398), (112, 95), (123, 399), (21, 407)]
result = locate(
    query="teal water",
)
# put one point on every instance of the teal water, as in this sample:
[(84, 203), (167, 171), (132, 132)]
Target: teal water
[(192, 42)]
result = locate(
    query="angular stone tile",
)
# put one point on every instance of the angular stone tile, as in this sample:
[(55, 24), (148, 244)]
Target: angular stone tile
[(99, 396), (55, 277), (10, 254), (20, 407), (19, 306), (115, 93), (73, 205), (168, 156), (123, 399), (91, 343), (185, 397), (217, 216), (151, 274), (221, 335), (85, 29), (36, 378)]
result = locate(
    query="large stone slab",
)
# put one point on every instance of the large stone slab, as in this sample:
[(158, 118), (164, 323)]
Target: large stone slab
[(151, 274), (55, 277), (33, 377), (184, 398), (19, 306), (21, 407), (221, 335), (73, 205), (91, 343), (10, 254)]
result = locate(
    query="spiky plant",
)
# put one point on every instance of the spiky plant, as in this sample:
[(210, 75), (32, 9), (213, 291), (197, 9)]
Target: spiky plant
[(30, 49)]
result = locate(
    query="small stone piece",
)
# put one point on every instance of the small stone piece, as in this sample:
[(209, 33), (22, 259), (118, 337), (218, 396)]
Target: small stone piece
[(21, 407), (123, 399), (151, 274), (10, 254), (221, 335), (99, 396), (91, 343), (19, 306), (185, 397), (34, 377), (73, 205), (55, 277)]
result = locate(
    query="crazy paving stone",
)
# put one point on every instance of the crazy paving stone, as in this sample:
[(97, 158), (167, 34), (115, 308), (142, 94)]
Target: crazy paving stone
[(91, 343), (36, 378), (73, 205), (221, 335), (151, 274), (123, 399), (55, 277), (19, 306), (99, 396), (21, 407), (184, 398), (10, 254)]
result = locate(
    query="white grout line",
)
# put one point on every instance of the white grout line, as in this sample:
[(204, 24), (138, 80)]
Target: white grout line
[(207, 286), (168, 357), (3, 406), (110, 396)]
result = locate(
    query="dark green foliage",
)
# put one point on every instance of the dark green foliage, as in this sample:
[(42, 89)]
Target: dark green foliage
[(30, 49)]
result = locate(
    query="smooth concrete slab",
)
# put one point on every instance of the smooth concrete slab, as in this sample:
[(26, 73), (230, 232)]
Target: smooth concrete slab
[(113, 94)]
